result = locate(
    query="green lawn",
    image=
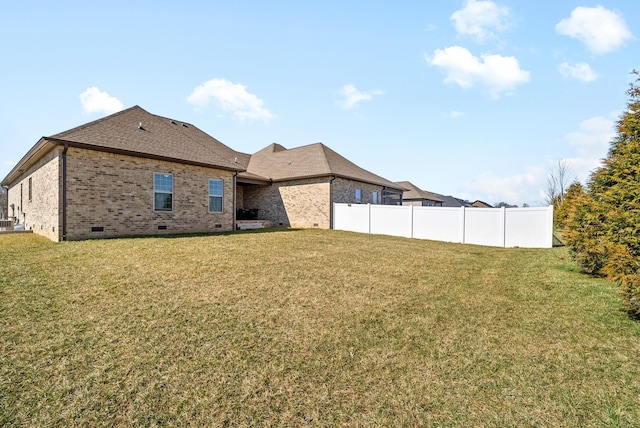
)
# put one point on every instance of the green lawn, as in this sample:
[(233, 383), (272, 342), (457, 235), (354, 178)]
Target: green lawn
[(308, 328)]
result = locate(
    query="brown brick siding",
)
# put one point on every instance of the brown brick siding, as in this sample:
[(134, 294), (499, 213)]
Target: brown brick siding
[(115, 192), (305, 203), (41, 214), (296, 203), (344, 191)]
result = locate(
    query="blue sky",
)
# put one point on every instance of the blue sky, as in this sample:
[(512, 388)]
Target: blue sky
[(472, 98)]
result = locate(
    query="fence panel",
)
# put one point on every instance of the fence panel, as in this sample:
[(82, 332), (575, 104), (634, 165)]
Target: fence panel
[(529, 227), (499, 227), (391, 220), (484, 226), (351, 217), (438, 224)]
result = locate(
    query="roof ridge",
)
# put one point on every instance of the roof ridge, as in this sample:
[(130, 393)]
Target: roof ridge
[(93, 122), (324, 149)]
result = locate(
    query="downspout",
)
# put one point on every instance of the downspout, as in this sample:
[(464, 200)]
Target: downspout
[(235, 210), (64, 192), (6, 191), (331, 202)]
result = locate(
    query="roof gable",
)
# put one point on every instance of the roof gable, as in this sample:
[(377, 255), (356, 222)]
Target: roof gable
[(314, 160), (137, 132)]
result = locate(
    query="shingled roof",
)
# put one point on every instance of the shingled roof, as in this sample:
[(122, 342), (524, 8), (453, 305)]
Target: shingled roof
[(137, 132), (315, 160), (414, 193)]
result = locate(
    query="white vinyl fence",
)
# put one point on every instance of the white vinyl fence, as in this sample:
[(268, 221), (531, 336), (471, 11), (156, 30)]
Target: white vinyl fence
[(497, 227)]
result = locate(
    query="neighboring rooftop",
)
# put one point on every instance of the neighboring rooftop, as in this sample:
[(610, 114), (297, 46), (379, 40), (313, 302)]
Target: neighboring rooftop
[(481, 204), (414, 193)]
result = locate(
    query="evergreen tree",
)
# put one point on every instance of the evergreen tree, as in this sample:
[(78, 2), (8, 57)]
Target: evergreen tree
[(603, 227)]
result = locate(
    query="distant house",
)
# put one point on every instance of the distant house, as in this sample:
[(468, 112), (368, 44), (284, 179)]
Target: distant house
[(135, 173), (480, 204), (450, 201), (418, 197)]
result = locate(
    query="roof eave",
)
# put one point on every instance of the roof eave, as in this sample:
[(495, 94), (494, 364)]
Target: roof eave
[(388, 186), (42, 146), (143, 155)]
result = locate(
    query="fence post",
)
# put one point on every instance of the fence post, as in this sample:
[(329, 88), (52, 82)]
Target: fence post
[(463, 224), (550, 224), (369, 211), (411, 234), (503, 228)]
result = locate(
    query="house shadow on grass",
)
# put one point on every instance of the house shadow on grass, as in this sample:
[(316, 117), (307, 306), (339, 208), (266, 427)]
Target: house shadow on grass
[(202, 234)]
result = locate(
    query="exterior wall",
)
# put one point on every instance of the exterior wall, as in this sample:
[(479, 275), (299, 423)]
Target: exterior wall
[(41, 213), (296, 203), (305, 203), (421, 203), (116, 193), (344, 191), (239, 196)]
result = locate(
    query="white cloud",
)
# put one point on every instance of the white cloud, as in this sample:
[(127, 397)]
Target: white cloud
[(591, 143), (232, 97), (95, 101), (580, 71), (602, 30), (480, 18), (351, 96), (499, 74), (454, 114), (515, 189)]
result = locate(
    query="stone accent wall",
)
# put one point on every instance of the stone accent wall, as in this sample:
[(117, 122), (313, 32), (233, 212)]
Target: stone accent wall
[(113, 195), (295, 203), (41, 213)]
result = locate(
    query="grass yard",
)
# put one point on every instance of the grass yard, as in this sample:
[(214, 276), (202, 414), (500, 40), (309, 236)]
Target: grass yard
[(309, 328)]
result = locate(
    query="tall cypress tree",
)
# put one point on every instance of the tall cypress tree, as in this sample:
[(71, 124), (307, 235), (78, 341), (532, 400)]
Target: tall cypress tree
[(613, 205)]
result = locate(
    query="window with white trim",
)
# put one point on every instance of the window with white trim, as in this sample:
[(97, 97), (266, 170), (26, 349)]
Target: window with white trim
[(358, 196), (162, 192), (215, 195), (374, 197)]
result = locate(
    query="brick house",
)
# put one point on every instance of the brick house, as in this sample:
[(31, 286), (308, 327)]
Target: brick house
[(135, 173), (418, 197), (304, 182)]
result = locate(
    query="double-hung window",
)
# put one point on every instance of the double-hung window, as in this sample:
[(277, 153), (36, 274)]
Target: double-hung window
[(358, 196), (162, 192), (215, 196)]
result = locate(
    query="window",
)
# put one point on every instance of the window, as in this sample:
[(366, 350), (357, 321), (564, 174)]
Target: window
[(391, 197), (374, 197), (163, 192), (358, 196), (215, 196), (30, 189)]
